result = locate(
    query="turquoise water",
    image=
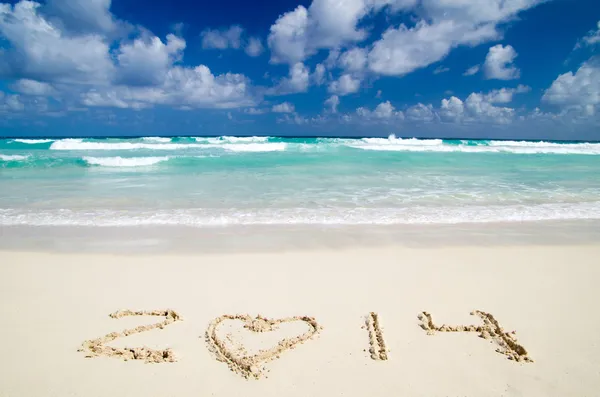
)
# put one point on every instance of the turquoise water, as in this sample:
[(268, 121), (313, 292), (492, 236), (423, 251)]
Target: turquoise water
[(272, 181)]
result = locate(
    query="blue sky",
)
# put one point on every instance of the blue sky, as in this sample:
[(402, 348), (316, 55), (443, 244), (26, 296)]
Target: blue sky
[(525, 69)]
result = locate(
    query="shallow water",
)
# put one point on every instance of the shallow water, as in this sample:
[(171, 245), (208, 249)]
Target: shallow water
[(253, 181)]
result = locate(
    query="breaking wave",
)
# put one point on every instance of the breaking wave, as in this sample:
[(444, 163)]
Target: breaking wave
[(437, 145), (124, 162)]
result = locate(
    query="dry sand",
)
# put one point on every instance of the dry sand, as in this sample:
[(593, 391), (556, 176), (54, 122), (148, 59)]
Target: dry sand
[(295, 324)]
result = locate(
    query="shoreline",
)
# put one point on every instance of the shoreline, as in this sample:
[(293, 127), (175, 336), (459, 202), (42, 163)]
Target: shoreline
[(52, 303), (267, 239)]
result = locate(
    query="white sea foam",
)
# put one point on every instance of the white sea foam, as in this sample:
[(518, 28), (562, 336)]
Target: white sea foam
[(156, 139), (234, 147), (255, 147), (33, 141), (67, 144), (331, 216), (13, 157), (124, 162), (233, 139), (437, 145)]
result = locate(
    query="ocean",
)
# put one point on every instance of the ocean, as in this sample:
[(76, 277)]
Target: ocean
[(227, 181)]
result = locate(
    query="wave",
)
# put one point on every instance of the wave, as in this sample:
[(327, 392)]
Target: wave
[(156, 139), (33, 141), (233, 139), (303, 216), (234, 147), (438, 145), (13, 157), (255, 147), (124, 162)]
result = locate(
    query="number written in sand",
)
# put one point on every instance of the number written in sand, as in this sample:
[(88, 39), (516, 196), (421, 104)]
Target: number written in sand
[(97, 347), (376, 343), (490, 330)]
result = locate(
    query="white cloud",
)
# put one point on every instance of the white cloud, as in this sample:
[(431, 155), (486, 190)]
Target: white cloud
[(445, 25), (479, 108), (472, 70), (383, 111), (300, 33), (592, 38), (32, 87), (41, 51), (346, 84), (332, 103), (505, 95), (254, 47), (499, 63), (287, 39), (183, 86), (255, 111), (10, 103), (420, 112), (284, 107), (146, 62), (231, 38), (222, 39), (353, 60), (318, 76), (579, 91), (297, 81), (94, 70), (452, 109), (86, 16), (441, 69)]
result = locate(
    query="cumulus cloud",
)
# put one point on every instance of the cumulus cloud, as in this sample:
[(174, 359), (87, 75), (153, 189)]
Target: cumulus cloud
[(477, 108), (592, 38), (499, 63), (383, 111), (284, 107), (298, 34), (578, 91), (505, 95), (32, 87), (10, 103), (480, 108), (222, 39), (332, 103), (254, 47), (50, 56), (318, 76), (255, 111), (146, 62), (472, 70), (86, 16), (445, 25), (353, 60), (420, 112), (190, 87), (346, 84), (41, 51), (298, 81)]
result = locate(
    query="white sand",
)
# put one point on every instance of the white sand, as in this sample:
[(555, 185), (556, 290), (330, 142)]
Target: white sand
[(50, 304)]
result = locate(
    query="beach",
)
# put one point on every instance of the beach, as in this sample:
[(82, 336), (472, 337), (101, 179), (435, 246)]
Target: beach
[(52, 302), (266, 266)]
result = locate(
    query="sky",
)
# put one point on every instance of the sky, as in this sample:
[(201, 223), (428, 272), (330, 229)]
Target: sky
[(518, 69)]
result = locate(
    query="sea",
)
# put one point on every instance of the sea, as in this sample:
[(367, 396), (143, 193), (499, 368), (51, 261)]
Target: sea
[(222, 188)]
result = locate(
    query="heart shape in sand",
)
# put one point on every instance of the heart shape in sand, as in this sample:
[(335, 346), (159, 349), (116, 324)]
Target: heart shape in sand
[(249, 365)]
